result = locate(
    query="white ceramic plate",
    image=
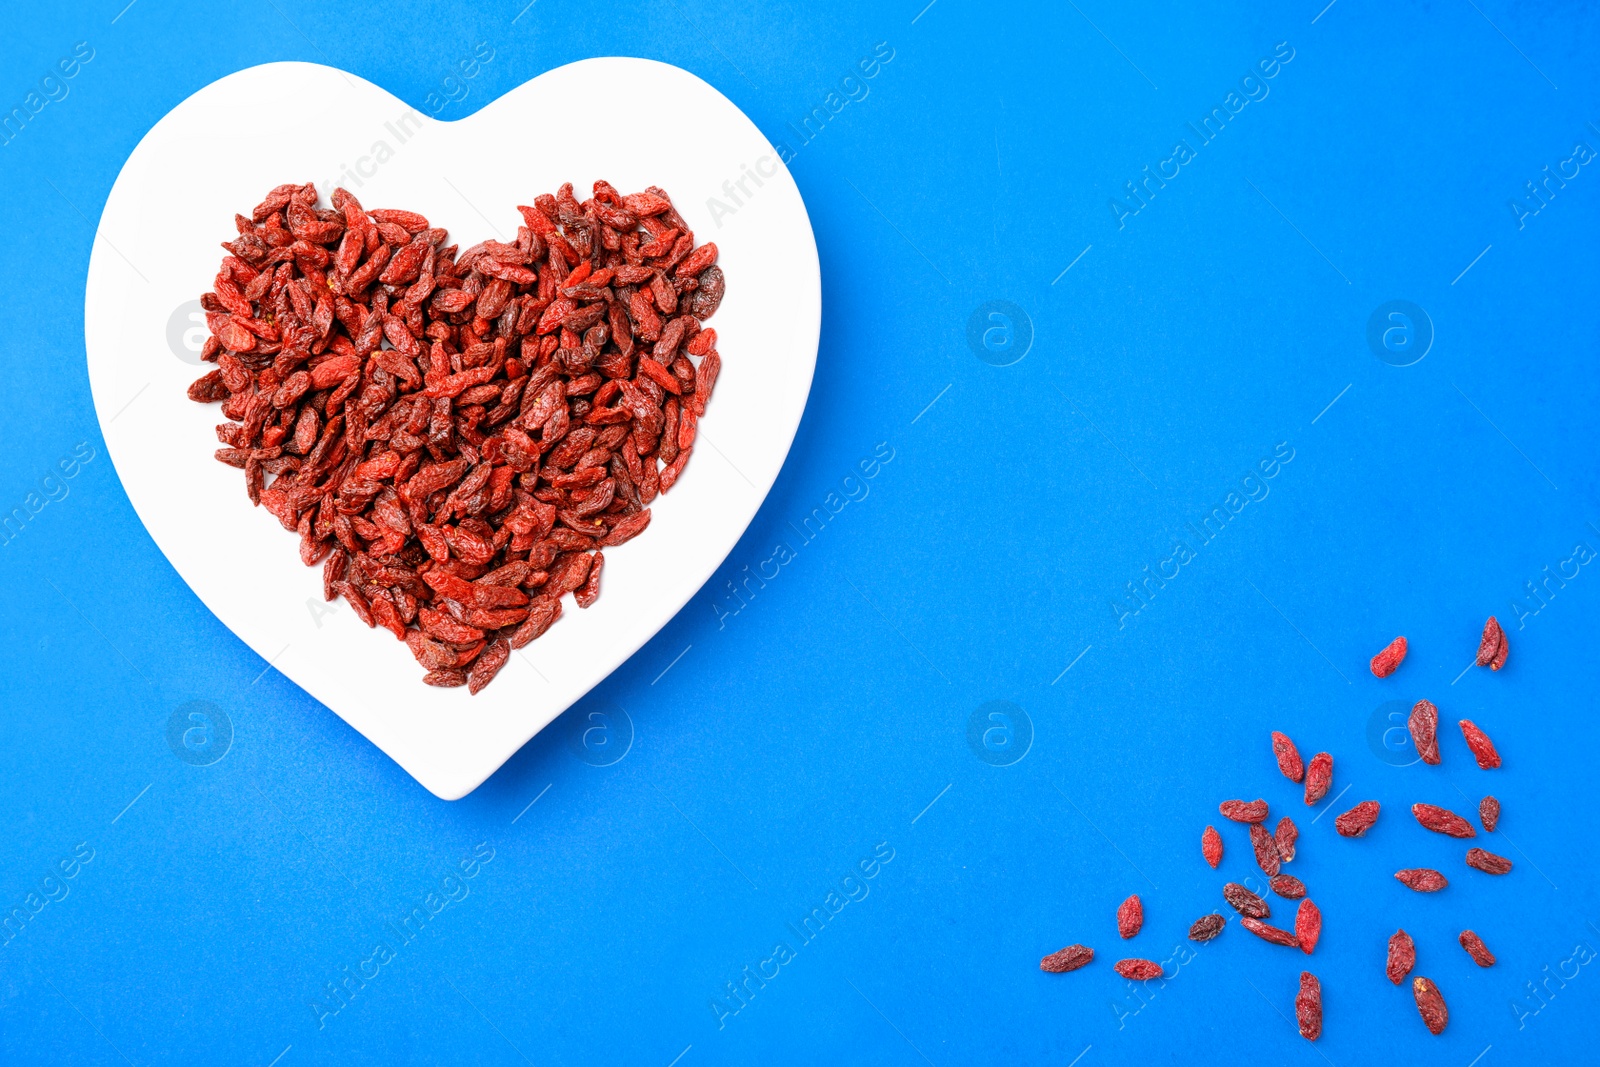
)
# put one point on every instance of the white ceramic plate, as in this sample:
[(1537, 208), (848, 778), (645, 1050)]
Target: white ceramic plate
[(221, 150)]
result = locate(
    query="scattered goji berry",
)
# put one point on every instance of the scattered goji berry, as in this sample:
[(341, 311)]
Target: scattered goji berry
[(1489, 813), (1423, 726), (1308, 925), (1266, 849), (1442, 821), (1289, 761), (1068, 959), (1270, 933), (1487, 861), (1493, 646), (1402, 956), (1422, 879), (1430, 1002), (1245, 902), (1244, 810), (1385, 662), (1319, 776), (1482, 748), (1308, 1006), (1130, 916), (1138, 970), (1286, 835), (1477, 949), (1358, 820), (1211, 846), (1288, 886), (1206, 927)]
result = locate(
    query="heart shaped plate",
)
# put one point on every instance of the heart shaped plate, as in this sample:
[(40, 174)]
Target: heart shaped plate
[(633, 122)]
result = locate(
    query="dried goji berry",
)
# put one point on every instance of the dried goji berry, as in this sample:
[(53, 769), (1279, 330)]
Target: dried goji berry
[(1422, 879), (1211, 846), (587, 593), (1308, 1006), (1487, 861), (1288, 757), (1489, 813), (1482, 748), (1385, 662), (1442, 821), (1206, 927), (1286, 835), (1430, 1003), (1308, 925), (1138, 970), (1252, 811), (1358, 820), (1319, 776), (1493, 646), (1477, 949), (1270, 933), (1266, 849), (1423, 726), (1245, 902), (1068, 959), (1130, 916), (1402, 956), (1288, 886), (488, 664)]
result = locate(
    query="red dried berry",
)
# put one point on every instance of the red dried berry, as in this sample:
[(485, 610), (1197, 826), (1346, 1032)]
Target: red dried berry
[(1068, 959), (1245, 902), (1402, 956), (1423, 726), (1286, 835), (1487, 861), (1308, 1006), (453, 435), (1482, 748), (1442, 821), (1270, 933), (1288, 886), (1358, 820), (1211, 846), (1488, 814), (1206, 927), (1319, 776), (1385, 662), (587, 593), (1430, 1002), (488, 664), (1244, 811), (1422, 879), (1493, 646), (1288, 756), (1138, 970), (1130, 916), (1477, 949), (1266, 849), (1308, 925)]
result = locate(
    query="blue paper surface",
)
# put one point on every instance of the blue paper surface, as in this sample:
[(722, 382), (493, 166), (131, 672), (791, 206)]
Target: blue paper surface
[(1097, 486)]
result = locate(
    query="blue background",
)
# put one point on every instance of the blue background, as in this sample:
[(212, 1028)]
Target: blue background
[(764, 753)]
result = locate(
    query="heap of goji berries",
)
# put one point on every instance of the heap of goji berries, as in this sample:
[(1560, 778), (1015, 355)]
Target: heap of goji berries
[(1275, 848), (455, 436)]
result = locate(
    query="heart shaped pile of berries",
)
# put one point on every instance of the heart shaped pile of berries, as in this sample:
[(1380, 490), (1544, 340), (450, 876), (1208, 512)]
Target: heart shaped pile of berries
[(457, 435)]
